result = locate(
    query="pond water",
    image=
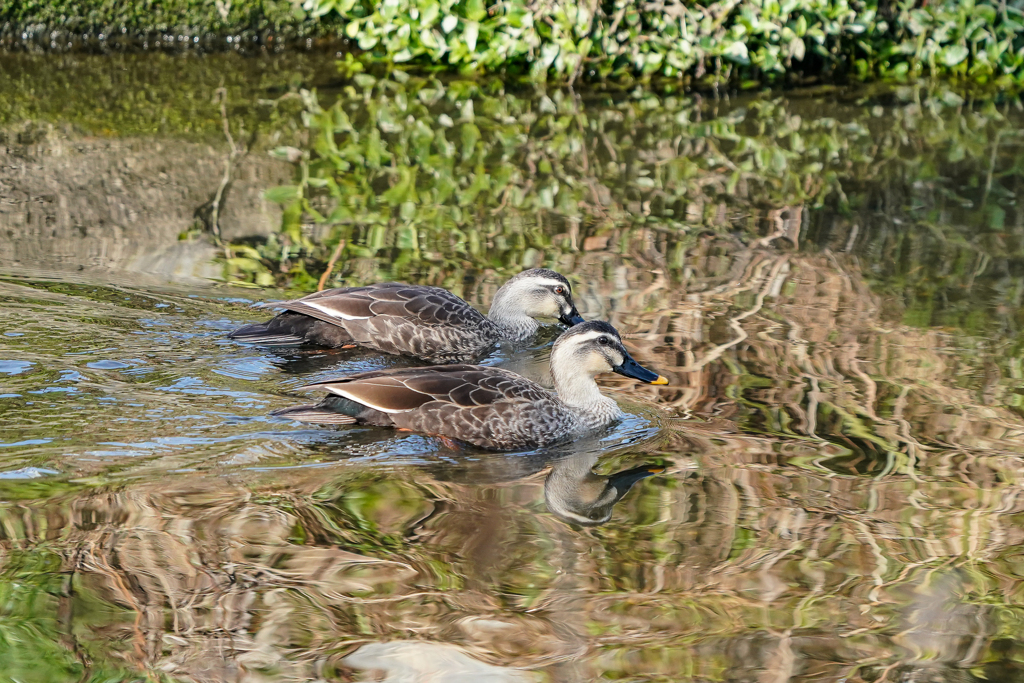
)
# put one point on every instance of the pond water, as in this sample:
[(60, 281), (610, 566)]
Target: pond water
[(832, 280)]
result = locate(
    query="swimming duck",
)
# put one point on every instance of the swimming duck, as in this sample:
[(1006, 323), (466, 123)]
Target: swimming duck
[(415, 320), (487, 406), (575, 494)]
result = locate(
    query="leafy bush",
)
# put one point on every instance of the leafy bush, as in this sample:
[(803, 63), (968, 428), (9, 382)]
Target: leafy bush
[(748, 39), (181, 19), (752, 41)]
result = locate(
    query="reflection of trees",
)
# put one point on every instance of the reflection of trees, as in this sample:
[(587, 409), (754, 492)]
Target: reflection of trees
[(755, 555), (428, 180), (797, 345), (739, 567), (735, 240)]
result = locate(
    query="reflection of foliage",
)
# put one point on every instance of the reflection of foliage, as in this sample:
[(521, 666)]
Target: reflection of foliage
[(747, 556), (413, 177), (38, 642), (724, 569), (155, 94), (432, 187), (434, 174)]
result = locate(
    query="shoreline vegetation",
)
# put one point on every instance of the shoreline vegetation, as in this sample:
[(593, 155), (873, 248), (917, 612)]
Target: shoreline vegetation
[(744, 43)]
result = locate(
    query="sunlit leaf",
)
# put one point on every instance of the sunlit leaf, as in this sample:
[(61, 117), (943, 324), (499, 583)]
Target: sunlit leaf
[(282, 194)]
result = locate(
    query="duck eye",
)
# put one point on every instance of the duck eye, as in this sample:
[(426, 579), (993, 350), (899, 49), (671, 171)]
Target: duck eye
[(603, 341), (559, 290)]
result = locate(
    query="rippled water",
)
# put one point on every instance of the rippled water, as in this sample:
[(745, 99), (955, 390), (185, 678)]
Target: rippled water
[(839, 494)]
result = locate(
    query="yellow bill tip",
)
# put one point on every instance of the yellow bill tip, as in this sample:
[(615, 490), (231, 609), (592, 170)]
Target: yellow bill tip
[(661, 380)]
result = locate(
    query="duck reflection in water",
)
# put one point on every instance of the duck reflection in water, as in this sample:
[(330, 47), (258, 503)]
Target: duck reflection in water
[(576, 494)]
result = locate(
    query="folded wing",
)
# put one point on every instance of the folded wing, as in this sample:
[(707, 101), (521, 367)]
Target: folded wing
[(414, 320), (417, 304), (407, 389), (486, 406)]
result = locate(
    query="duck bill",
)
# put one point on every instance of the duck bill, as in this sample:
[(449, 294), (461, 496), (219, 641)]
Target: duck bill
[(623, 481), (571, 318), (630, 368)]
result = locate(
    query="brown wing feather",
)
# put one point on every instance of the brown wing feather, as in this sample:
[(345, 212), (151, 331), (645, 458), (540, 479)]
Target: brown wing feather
[(342, 305), (462, 386), (424, 305), (393, 317), (486, 406), (388, 394)]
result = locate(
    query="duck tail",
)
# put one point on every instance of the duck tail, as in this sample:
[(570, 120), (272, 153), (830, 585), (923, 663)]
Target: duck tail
[(261, 333), (317, 414)]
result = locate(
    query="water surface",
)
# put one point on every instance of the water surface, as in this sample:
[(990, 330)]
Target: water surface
[(841, 441)]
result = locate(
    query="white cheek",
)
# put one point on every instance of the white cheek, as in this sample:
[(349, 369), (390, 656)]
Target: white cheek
[(597, 364), (546, 307)]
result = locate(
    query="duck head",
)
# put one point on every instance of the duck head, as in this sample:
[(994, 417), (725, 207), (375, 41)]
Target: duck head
[(534, 293), (580, 354), (595, 347)]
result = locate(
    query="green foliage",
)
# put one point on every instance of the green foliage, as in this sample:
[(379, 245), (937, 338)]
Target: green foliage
[(747, 41), (189, 17), (743, 39)]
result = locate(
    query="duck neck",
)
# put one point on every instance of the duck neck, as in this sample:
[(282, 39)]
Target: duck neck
[(580, 392), (508, 315)]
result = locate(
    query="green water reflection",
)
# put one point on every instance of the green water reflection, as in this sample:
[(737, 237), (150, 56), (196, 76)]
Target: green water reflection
[(831, 279)]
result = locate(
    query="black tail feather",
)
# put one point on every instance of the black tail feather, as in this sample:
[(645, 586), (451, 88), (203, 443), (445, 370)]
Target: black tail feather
[(289, 329), (317, 414), (260, 333)]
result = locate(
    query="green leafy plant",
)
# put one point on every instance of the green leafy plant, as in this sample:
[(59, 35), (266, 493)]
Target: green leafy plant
[(748, 40)]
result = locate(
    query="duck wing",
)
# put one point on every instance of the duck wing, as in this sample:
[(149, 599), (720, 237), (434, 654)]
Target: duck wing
[(486, 406), (428, 322), (415, 303), (403, 390)]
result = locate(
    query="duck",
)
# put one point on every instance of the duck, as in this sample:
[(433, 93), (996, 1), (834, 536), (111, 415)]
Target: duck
[(428, 323), (487, 406), (575, 494)]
